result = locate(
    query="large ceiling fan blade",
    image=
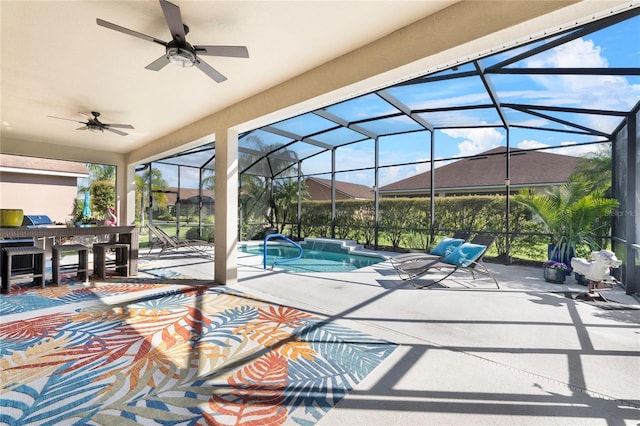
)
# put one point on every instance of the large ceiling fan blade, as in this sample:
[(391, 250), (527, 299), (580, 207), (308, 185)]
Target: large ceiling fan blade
[(230, 51), (158, 64), (120, 126), (174, 21), (117, 132), (83, 128), (210, 71), (124, 30), (68, 119)]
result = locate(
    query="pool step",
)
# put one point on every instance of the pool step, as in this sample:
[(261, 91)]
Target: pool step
[(331, 245)]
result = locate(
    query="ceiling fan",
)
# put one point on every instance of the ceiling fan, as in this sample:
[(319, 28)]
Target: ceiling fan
[(95, 125), (178, 50)]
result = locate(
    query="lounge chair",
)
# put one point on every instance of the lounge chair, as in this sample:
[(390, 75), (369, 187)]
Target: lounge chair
[(445, 246), (167, 242), (466, 257)]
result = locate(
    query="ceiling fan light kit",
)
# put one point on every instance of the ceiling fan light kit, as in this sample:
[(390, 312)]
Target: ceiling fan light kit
[(181, 57)]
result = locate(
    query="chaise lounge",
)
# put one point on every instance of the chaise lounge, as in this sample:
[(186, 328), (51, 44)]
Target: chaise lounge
[(465, 257), (440, 250), (167, 242)]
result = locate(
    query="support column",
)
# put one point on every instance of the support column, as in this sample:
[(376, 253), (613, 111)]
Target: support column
[(630, 210), (126, 194), (226, 207)]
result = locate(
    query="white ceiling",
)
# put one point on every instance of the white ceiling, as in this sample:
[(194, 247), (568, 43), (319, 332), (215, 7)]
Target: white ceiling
[(57, 61)]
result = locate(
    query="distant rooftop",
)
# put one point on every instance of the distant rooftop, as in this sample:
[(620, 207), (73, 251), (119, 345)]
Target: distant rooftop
[(486, 172), (15, 163), (348, 190)]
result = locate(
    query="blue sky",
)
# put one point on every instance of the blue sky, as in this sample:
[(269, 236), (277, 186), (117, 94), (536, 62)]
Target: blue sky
[(616, 46)]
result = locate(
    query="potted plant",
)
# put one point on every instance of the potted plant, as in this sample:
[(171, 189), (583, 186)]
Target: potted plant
[(573, 213), (555, 272)]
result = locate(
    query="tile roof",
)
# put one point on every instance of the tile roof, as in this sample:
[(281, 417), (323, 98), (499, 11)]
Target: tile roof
[(528, 168), (42, 164), (351, 190), (187, 194)]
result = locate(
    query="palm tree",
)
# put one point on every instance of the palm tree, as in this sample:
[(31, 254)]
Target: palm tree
[(285, 196), (258, 179), (142, 190), (573, 213), (101, 186), (596, 168), (98, 173)]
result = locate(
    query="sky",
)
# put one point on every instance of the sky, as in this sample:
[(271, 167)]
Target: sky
[(615, 46)]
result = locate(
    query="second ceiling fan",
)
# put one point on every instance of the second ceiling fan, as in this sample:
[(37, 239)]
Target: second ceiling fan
[(178, 50)]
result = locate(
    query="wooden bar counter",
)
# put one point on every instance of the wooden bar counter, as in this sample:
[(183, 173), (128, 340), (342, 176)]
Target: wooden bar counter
[(123, 234)]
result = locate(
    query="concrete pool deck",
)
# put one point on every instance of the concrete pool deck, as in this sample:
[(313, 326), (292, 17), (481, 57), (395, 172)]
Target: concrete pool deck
[(525, 354)]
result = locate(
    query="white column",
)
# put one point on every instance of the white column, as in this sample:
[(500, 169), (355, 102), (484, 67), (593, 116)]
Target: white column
[(226, 207), (125, 193)]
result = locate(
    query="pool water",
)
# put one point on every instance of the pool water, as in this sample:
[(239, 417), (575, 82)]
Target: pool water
[(312, 260)]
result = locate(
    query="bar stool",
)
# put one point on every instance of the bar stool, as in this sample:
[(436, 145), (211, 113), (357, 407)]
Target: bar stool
[(81, 267), (36, 267), (101, 262)]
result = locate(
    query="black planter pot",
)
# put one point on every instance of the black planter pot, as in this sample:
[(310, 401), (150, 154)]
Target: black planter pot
[(556, 276), (580, 279), (553, 254)]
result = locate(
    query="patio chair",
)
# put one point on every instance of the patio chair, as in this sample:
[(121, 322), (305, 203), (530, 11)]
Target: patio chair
[(467, 257), (443, 248), (167, 242)]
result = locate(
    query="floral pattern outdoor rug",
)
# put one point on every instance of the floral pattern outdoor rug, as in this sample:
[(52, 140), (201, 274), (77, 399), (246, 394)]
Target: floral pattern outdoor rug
[(177, 355), (25, 296)]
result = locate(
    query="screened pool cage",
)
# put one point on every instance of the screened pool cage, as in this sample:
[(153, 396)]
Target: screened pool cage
[(573, 94)]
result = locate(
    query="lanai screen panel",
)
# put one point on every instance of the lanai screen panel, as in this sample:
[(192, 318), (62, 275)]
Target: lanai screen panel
[(365, 107), (436, 94), (392, 125), (356, 156)]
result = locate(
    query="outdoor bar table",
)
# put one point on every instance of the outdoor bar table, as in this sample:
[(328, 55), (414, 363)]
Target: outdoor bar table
[(123, 234)]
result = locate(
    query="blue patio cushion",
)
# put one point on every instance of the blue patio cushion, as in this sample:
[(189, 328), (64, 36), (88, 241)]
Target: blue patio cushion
[(446, 246), (465, 254)]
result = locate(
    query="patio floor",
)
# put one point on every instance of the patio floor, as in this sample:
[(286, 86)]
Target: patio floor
[(528, 353)]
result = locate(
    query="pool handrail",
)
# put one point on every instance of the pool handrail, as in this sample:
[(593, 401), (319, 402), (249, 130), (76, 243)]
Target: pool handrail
[(289, 259)]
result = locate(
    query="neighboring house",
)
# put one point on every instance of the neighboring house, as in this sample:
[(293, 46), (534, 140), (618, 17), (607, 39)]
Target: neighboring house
[(486, 173), (189, 199), (40, 186), (320, 189)]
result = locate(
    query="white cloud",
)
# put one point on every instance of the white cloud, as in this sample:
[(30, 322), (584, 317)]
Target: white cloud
[(605, 91), (529, 144), (532, 122), (567, 147), (423, 167), (475, 140)]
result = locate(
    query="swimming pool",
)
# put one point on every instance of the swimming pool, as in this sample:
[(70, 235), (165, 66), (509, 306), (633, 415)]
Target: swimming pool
[(326, 257)]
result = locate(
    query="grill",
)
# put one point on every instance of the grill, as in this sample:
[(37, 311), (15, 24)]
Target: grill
[(36, 221), (28, 221)]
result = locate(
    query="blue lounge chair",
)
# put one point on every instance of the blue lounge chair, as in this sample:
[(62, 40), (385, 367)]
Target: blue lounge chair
[(445, 246), (466, 257)]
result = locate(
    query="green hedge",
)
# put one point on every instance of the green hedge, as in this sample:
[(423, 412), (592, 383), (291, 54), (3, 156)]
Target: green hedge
[(404, 222)]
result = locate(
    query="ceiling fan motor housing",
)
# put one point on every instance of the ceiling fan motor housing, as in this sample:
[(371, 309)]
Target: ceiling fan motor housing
[(184, 56)]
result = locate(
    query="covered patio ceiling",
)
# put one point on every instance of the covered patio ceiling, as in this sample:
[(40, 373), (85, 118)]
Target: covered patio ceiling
[(578, 85)]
